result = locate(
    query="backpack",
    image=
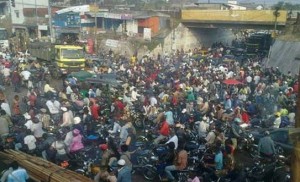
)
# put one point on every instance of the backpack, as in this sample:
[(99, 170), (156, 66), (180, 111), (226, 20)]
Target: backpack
[(284, 121)]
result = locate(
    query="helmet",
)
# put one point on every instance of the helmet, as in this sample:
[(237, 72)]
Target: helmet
[(267, 133)]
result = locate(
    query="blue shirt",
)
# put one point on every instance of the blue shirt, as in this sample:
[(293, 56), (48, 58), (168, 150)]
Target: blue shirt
[(19, 175), (169, 117), (124, 175), (219, 161)]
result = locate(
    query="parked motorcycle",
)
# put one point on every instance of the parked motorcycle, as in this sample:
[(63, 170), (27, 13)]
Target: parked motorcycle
[(265, 170)]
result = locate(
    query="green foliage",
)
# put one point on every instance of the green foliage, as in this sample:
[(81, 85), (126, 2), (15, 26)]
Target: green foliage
[(286, 6)]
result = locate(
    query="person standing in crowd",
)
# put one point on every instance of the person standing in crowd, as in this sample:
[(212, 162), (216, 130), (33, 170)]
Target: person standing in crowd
[(16, 105), (18, 174), (76, 143), (124, 171), (266, 146), (16, 81), (5, 124), (37, 128), (48, 90), (67, 118)]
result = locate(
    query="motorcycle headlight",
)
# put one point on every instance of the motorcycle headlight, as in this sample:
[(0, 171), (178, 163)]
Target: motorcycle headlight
[(154, 158)]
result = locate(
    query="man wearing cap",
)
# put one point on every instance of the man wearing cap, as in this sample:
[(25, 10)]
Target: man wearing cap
[(124, 172), (203, 127), (66, 117), (77, 124), (25, 75), (106, 153)]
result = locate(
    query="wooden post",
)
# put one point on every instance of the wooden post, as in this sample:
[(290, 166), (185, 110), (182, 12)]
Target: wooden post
[(295, 161)]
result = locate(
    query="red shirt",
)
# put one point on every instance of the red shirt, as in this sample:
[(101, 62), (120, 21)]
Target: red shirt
[(32, 99), (95, 111), (165, 129), (119, 105), (245, 117)]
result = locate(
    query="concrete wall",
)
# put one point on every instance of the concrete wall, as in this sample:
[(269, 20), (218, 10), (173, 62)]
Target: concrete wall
[(187, 38), (132, 27), (285, 55)]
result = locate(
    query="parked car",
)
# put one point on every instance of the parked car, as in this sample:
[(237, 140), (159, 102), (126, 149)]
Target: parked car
[(283, 138)]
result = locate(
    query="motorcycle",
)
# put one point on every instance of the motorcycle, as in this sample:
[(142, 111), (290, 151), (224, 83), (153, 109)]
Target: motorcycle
[(265, 170), (245, 142)]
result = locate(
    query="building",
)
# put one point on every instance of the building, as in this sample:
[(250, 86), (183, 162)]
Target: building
[(31, 16)]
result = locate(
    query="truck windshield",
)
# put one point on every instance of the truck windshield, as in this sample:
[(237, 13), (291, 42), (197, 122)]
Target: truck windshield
[(72, 53), (3, 34)]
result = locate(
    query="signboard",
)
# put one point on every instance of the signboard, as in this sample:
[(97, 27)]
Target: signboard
[(147, 34), (126, 16), (112, 43), (113, 16), (43, 27)]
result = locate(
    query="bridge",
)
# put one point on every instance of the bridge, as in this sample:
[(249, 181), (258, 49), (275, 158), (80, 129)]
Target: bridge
[(251, 19)]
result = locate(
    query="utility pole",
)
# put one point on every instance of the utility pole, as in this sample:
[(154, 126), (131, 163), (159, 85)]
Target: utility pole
[(276, 13), (50, 20), (295, 161)]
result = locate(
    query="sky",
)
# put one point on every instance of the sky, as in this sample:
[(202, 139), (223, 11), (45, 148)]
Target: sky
[(266, 2)]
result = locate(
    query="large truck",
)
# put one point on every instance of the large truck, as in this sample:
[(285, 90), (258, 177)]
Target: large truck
[(60, 59), (258, 42)]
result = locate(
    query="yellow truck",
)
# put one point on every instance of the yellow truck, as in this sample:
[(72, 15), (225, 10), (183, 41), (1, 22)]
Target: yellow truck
[(60, 59)]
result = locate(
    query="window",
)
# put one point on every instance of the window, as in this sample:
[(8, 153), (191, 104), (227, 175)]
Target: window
[(17, 13)]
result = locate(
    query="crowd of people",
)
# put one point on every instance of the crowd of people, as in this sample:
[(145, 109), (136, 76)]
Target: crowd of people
[(173, 92)]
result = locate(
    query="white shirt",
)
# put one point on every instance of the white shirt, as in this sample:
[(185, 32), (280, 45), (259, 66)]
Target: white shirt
[(6, 72), (203, 128), (249, 79), (68, 138), (67, 119), (69, 90), (30, 140), (25, 74), (256, 79), (28, 124), (277, 122), (134, 95), (173, 139), (153, 101), (6, 108), (210, 138), (115, 129), (37, 129), (53, 109)]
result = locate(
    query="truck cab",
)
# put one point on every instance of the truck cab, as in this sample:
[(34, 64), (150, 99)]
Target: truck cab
[(69, 58)]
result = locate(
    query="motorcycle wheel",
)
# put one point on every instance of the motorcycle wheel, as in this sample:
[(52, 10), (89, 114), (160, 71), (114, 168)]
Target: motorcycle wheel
[(149, 172)]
